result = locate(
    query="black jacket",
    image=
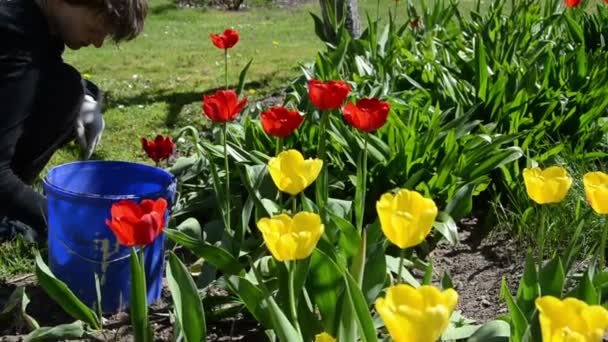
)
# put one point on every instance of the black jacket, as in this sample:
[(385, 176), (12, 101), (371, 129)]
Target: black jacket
[(26, 48)]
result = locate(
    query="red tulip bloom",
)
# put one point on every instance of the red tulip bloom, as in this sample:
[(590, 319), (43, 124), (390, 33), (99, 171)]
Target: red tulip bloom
[(327, 95), (367, 115), (223, 106), (574, 3), (225, 40), (137, 225), (281, 122), (158, 149)]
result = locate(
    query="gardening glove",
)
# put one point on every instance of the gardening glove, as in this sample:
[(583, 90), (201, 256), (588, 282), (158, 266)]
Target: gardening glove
[(90, 123)]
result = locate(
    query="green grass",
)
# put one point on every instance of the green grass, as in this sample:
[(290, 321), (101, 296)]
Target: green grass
[(16, 257)]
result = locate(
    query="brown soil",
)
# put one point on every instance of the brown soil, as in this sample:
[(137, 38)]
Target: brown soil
[(476, 269)]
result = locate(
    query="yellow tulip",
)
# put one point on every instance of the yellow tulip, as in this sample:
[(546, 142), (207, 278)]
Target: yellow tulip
[(547, 186), (291, 238), (416, 315), (324, 337), (596, 189), (571, 320), (406, 218), (291, 173)]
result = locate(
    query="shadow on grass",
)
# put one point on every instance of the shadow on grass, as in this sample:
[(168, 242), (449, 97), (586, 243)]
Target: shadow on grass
[(176, 101)]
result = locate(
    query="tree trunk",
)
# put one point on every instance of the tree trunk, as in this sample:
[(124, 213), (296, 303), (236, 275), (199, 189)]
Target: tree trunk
[(352, 21)]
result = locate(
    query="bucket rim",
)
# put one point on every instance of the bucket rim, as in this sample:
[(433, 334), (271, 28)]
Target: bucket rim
[(56, 190)]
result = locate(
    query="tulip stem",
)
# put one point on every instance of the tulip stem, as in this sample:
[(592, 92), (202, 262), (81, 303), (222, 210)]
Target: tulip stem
[(227, 194), (401, 258), (540, 236), (321, 185), (278, 147), (360, 191), (291, 265), (294, 205), (226, 67), (603, 247)]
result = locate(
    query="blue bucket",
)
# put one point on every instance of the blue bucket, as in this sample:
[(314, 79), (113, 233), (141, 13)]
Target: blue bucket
[(80, 244)]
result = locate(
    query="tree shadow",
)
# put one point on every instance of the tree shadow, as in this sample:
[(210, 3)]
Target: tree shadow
[(176, 101), (161, 9)]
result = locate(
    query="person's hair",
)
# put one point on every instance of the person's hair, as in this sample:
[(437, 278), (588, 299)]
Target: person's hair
[(125, 17)]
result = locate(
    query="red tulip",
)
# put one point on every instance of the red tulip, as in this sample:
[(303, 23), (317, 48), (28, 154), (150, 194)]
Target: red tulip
[(158, 149), (606, 2), (367, 115), (225, 40), (223, 106), (281, 122), (574, 3), (137, 225), (327, 95)]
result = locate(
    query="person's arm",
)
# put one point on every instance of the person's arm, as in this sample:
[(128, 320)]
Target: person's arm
[(18, 83)]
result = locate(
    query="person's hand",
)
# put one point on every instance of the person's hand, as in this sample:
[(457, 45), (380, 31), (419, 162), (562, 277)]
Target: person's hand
[(90, 123)]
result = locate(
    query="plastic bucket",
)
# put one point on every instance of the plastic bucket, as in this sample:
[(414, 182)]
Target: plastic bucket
[(80, 244)]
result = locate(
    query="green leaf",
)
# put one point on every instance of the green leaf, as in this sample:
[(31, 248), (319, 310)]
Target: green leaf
[(325, 285), (60, 332), (458, 333), (428, 274), (186, 300), (447, 227), (529, 288), (357, 300), (138, 299), (252, 297), (319, 28), (461, 203), (518, 319), (214, 255), (349, 237), (493, 331), (192, 228), (15, 309), (552, 278), (280, 323), (374, 275), (481, 68), (585, 290), (446, 281), (62, 295), (575, 29), (242, 76)]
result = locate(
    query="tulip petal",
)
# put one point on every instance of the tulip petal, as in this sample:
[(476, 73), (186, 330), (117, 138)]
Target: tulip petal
[(596, 191), (410, 315)]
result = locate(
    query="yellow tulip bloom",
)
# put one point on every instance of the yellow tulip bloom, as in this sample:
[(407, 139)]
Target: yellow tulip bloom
[(291, 238), (291, 173), (406, 218), (571, 320), (324, 337), (547, 186), (416, 315), (596, 189)]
